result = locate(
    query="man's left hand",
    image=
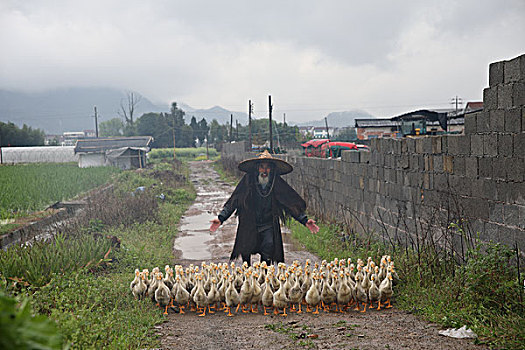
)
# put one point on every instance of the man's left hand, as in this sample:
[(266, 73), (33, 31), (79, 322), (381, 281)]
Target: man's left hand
[(312, 226)]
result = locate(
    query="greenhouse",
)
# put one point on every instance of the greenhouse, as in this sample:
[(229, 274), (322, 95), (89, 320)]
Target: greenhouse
[(44, 154)]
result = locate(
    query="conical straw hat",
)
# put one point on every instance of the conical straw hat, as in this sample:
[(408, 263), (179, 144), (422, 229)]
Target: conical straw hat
[(251, 164)]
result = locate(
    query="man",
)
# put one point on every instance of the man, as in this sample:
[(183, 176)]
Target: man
[(262, 198)]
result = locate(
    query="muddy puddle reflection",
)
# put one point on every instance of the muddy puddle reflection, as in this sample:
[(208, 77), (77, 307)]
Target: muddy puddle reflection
[(195, 241)]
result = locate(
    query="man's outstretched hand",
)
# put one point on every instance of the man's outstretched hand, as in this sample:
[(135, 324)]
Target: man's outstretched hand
[(215, 223), (312, 226)]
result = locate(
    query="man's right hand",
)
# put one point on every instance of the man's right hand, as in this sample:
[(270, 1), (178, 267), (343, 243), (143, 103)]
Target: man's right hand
[(215, 223)]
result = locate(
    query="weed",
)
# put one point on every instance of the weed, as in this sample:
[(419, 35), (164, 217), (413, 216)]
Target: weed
[(36, 264), (341, 323), (292, 333), (482, 293), (224, 174), (93, 307), (20, 329), (182, 153)]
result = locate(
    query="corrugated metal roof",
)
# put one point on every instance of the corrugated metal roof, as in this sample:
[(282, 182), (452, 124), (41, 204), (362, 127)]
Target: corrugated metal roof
[(104, 144), (371, 123)]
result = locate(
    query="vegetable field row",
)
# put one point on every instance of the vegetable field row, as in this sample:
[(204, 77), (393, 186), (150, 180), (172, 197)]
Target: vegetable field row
[(29, 187)]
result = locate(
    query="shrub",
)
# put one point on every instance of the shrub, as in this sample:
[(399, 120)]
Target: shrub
[(19, 329)]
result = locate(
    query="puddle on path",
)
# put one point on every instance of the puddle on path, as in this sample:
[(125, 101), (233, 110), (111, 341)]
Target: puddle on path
[(193, 245), (195, 241), (196, 222)]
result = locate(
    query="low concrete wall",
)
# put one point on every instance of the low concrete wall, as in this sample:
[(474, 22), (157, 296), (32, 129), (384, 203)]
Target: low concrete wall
[(407, 188)]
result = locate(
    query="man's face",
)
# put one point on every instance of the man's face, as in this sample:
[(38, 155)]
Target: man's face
[(264, 170)]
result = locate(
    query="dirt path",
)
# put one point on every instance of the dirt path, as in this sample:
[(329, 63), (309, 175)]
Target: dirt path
[(385, 329)]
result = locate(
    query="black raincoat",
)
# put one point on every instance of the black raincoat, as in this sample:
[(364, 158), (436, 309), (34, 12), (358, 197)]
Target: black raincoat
[(285, 201)]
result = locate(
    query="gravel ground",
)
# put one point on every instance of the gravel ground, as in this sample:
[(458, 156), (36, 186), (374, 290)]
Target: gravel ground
[(385, 329)]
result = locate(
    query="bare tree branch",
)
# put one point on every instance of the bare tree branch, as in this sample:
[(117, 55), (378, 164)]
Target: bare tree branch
[(128, 110)]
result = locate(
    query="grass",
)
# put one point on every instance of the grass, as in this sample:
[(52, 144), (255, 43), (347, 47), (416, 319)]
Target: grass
[(183, 154), (31, 187), (298, 333), (91, 302), (483, 294), (36, 264), (225, 175)]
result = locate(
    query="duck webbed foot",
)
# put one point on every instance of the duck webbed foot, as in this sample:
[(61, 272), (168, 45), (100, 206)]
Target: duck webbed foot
[(229, 311), (364, 307), (316, 312)]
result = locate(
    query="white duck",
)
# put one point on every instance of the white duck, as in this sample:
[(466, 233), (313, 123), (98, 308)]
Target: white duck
[(267, 296), (344, 294), (256, 293), (313, 298), (232, 297), (246, 291), (162, 294), (139, 289), (280, 300), (200, 298), (295, 295), (385, 291)]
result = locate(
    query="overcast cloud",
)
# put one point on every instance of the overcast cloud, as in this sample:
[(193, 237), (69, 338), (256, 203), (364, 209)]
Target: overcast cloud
[(313, 57)]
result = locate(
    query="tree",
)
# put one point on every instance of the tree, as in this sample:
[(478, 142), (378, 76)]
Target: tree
[(12, 135), (194, 129), (203, 130), (157, 126), (218, 133), (112, 127), (127, 110), (347, 134), (183, 136)]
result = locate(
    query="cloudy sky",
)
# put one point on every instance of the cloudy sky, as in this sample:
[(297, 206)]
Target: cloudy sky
[(314, 57)]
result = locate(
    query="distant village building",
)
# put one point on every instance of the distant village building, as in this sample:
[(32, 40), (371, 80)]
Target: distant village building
[(373, 128), (318, 132), (420, 122), (122, 152), (473, 107)]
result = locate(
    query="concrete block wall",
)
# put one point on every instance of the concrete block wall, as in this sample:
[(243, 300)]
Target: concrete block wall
[(415, 187)]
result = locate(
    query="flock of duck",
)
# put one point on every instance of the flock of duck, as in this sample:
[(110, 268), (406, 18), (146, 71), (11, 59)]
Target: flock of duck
[(338, 284)]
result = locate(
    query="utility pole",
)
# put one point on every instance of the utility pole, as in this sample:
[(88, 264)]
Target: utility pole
[(96, 123), (284, 119), (231, 127), (270, 107), (173, 134), (277, 133), (237, 129), (326, 123), (250, 108), (457, 101), (207, 151)]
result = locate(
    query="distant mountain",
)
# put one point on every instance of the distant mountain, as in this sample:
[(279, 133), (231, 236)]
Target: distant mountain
[(72, 109), (223, 116), (68, 109), (340, 119)]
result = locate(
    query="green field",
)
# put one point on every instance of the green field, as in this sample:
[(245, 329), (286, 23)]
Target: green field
[(155, 155), (74, 292), (29, 187)]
